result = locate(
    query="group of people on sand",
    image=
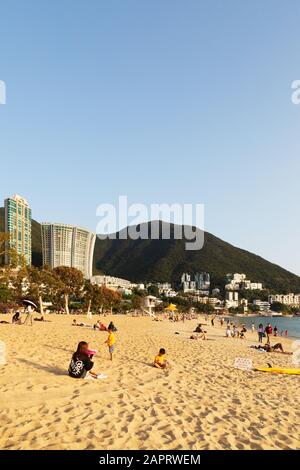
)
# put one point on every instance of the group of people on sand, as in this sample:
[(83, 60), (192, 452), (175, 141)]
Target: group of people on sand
[(81, 362), (232, 330), (29, 319), (200, 332), (267, 332)]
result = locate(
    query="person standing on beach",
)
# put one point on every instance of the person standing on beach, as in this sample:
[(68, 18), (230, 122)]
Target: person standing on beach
[(253, 328), (110, 343), (260, 332), (29, 316), (268, 331)]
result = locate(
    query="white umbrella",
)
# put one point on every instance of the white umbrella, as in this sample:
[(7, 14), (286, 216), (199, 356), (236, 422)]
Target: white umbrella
[(29, 302)]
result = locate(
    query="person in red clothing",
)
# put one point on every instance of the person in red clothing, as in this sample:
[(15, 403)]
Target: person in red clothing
[(268, 331)]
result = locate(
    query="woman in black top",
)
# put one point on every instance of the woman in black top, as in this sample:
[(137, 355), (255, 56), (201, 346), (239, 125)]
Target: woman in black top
[(81, 362)]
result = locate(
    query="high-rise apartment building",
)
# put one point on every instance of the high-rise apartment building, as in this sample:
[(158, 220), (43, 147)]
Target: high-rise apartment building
[(196, 282), (67, 245), (18, 226)]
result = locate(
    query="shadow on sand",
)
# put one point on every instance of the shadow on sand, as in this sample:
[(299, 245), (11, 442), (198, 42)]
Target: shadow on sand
[(52, 370)]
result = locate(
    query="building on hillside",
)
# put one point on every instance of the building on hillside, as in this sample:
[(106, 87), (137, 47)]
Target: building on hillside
[(214, 301), (199, 282), (165, 288), (111, 282), (262, 305), (67, 245), (116, 283), (18, 226), (292, 300), (239, 281), (232, 299)]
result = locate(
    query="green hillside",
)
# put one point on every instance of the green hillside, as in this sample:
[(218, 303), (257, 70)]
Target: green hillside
[(165, 260)]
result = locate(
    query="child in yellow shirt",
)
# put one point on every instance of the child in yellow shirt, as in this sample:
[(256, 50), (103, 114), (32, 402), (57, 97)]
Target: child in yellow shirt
[(111, 340), (160, 361)]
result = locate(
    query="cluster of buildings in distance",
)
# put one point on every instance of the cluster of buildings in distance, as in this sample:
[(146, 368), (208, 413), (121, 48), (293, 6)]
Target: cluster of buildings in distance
[(72, 246), (239, 281)]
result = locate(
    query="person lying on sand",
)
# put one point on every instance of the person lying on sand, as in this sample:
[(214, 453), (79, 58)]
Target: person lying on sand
[(268, 348), (276, 348), (199, 336), (160, 361), (81, 363), (100, 326), (80, 324)]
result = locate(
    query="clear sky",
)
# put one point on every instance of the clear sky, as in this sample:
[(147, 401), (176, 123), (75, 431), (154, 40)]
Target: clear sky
[(160, 100)]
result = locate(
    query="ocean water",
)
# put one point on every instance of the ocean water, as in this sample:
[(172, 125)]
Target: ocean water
[(292, 325)]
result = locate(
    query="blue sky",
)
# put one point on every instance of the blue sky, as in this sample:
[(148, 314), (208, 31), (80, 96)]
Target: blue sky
[(163, 101)]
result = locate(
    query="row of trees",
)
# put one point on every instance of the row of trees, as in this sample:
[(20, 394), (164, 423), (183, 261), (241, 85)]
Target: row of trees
[(60, 286)]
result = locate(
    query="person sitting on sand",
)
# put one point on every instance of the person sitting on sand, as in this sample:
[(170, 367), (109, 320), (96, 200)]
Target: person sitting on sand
[(81, 363), (16, 318), (199, 329), (112, 327), (160, 361)]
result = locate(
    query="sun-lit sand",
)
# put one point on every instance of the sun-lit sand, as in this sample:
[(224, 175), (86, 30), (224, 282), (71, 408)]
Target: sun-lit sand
[(201, 402)]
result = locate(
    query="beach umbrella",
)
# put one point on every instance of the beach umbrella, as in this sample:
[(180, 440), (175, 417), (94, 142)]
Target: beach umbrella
[(29, 302), (171, 308)]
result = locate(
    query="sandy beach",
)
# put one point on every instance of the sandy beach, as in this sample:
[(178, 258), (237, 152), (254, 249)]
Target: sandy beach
[(200, 402)]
